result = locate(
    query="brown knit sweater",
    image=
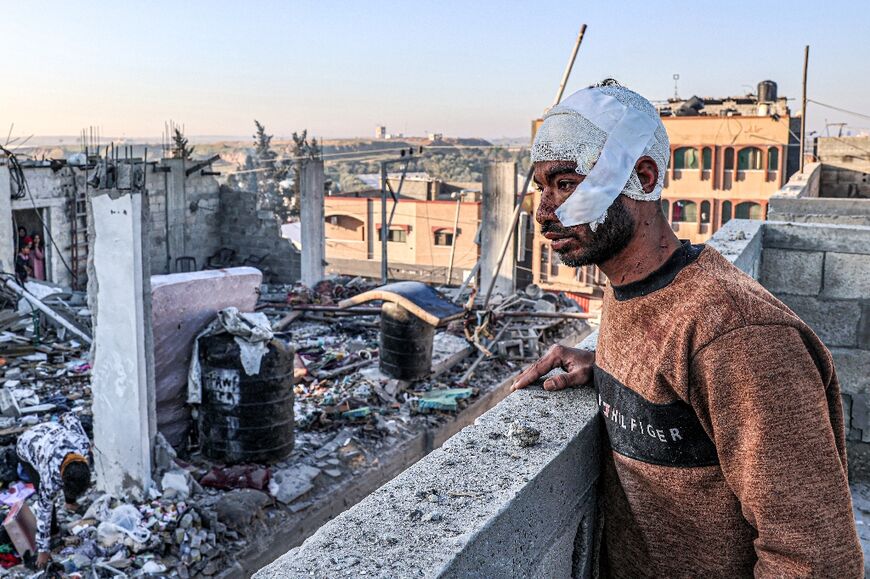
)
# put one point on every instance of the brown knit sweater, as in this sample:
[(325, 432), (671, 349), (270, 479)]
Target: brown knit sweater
[(724, 419)]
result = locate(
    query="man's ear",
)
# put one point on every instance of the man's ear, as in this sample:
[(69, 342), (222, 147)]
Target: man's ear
[(648, 172)]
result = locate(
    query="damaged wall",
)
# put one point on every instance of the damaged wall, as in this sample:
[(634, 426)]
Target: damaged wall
[(253, 229), (190, 205), (822, 272)]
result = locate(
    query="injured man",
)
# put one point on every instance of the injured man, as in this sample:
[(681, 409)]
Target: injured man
[(722, 408)]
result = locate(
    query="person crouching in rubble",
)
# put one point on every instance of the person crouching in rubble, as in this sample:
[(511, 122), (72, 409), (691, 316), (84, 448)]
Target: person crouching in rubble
[(726, 452), (54, 457)]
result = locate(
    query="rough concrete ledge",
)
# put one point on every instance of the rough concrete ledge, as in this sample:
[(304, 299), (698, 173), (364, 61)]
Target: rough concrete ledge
[(480, 506), (740, 242), (817, 237), (802, 185), (822, 210)]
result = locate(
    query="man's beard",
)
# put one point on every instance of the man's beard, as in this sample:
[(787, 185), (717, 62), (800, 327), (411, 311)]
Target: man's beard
[(598, 246)]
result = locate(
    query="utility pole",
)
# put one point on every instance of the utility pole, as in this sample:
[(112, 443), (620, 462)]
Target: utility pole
[(568, 68), (404, 157), (458, 197), (804, 108), (522, 193), (384, 225)]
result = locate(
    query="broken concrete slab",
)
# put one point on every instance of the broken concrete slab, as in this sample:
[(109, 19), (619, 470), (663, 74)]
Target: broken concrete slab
[(183, 304)]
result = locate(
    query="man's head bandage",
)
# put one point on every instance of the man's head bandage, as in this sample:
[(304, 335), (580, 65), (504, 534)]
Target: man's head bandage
[(605, 130)]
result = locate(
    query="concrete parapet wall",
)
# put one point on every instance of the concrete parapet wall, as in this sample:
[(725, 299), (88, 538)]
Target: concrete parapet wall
[(822, 210), (802, 185), (480, 506), (740, 241), (822, 272)]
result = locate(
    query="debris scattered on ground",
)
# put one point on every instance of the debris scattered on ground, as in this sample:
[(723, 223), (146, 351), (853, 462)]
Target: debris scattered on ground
[(200, 514), (522, 434)]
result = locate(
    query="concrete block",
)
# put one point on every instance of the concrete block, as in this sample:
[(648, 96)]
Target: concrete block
[(182, 305), (478, 506), (740, 242), (816, 237), (864, 327), (847, 275), (792, 272), (853, 369), (834, 321)]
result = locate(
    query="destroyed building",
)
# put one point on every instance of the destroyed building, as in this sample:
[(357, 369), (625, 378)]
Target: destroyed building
[(195, 222)]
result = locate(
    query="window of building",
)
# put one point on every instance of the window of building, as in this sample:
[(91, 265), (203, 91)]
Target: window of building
[(706, 158), (396, 235), (773, 159), (684, 212), (729, 159), (686, 158), (749, 159), (545, 262), (344, 227), (726, 212), (555, 261), (705, 212), (444, 237), (748, 210)]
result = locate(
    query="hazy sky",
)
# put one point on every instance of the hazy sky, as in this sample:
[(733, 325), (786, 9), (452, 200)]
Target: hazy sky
[(464, 68)]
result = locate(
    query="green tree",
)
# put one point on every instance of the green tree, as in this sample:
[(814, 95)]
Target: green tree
[(180, 150)]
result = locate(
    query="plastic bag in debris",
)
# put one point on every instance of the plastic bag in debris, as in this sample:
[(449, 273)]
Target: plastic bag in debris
[(252, 332), (99, 509), (124, 523)]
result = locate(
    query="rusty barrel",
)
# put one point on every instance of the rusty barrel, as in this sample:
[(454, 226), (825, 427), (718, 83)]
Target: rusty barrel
[(406, 343), (245, 418)]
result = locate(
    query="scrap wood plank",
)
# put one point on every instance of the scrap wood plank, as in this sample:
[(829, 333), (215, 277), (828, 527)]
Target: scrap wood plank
[(416, 297)]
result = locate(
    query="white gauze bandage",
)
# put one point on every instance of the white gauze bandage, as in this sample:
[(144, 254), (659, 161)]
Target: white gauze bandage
[(605, 130)]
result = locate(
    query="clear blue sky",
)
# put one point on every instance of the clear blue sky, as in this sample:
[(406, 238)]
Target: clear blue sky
[(338, 68)]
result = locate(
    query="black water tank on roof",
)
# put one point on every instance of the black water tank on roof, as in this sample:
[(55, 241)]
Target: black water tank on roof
[(766, 91), (245, 418)]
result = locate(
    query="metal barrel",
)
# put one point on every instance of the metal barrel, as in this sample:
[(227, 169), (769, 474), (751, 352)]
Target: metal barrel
[(245, 418), (406, 343)]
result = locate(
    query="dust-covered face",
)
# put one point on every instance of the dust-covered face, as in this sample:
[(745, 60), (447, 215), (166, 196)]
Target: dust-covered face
[(578, 245)]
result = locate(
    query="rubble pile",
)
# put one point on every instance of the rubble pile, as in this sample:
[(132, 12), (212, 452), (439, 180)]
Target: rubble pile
[(201, 517)]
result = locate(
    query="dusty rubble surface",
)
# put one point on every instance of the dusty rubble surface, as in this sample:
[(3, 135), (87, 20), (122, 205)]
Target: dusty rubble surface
[(201, 517)]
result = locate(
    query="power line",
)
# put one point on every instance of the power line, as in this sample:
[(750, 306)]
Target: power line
[(842, 110)]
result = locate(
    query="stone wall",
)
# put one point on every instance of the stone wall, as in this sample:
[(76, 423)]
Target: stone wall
[(252, 229), (822, 272), (480, 506), (190, 205), (846, 168)]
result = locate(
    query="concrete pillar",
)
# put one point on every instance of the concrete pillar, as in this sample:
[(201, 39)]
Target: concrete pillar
[(499, 198), (311, 218), (119, 295), (176, 210), (8, 235)]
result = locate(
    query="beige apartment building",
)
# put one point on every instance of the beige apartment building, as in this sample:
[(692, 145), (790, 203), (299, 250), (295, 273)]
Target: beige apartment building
[(419, 240)]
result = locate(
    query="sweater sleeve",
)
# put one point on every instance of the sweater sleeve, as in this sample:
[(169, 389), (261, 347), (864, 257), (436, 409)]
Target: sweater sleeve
[(778, 432)]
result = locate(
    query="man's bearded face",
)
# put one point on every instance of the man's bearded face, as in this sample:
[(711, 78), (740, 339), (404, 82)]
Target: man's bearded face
[(578, 245)]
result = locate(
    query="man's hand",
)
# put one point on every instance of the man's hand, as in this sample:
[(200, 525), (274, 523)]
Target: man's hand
[(42, 559), (576, 363)]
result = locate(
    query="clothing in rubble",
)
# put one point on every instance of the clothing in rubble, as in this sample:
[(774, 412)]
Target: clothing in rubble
[(44, 448), (727, 449)]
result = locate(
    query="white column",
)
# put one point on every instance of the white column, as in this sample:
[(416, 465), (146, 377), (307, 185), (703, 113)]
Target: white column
[(499, 198), (7, 229), (119, 293), (311, 210)]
